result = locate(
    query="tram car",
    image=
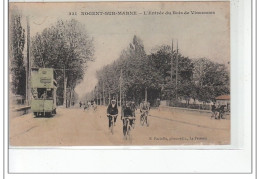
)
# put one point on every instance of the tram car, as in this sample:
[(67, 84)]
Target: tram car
[(43, 86)]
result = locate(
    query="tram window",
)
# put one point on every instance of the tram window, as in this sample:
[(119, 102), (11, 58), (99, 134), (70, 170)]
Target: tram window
[(44, 93), (49, 94), (34, 93), (40, 92)]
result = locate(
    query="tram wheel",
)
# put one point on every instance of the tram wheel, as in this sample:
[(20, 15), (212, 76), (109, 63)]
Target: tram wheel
[(48, 114)]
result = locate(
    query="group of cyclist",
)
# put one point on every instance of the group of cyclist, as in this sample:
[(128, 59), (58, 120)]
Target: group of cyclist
[(127, 113), (88, 105), (218, 111)]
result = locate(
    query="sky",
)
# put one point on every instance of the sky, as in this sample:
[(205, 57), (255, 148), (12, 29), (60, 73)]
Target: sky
[(198, 35)]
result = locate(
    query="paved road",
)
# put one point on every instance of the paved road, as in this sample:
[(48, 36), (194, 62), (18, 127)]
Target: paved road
[(76, 127)]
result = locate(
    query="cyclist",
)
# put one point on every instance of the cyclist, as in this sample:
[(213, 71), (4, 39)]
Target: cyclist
[(213, 109), (94, 106), (127, 112), (148, 106), (112, 110), (144, 107), (133, 107), (217, 111), (222, 112)]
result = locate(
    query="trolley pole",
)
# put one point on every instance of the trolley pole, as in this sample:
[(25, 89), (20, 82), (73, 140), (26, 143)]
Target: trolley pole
[(120, 88), (146, 94), (100, 99), (28, 65), (65, 86), (103, 94), (172, 60), (177, 72), (96, 95), (99, 95)]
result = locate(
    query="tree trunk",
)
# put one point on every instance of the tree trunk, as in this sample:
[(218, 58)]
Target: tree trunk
[(70, 98), (99, 99), (145, 94), (109, 99), (65, 93), (117, 100), (103, 94)]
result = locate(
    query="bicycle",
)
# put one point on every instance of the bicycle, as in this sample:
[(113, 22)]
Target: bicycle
[(111, 122), (143, 117), (127, 125)]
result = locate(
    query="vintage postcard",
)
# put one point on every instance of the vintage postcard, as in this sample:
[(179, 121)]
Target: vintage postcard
[(119, 73)]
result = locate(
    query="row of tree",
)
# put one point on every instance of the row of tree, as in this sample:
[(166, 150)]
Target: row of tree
[(67, 47), (64, 46), (16, 57), (155, 73)]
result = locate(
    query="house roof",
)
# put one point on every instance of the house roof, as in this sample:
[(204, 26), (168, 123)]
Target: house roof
[(223, 97)]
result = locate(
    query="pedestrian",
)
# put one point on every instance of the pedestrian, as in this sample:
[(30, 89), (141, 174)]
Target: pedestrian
[(80, 104)]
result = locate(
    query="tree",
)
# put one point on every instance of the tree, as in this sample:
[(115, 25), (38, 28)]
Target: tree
[(211, 79), (64, 45), (17, 42), (161, 59), (137, 73), (201, 79)]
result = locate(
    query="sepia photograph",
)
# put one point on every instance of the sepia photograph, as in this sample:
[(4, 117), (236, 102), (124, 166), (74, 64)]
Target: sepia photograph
[(119, 73)]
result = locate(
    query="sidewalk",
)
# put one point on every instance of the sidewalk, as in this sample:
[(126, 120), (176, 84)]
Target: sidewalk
[(184, 109), (187, 110), (18, 110)]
